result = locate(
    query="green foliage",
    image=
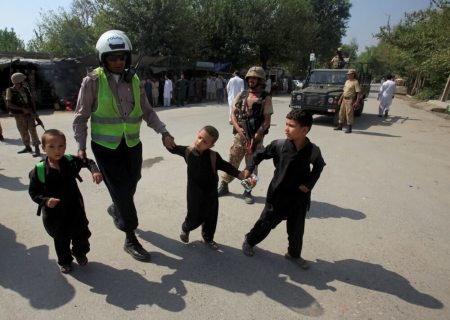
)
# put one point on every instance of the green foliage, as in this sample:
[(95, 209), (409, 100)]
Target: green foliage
[(258, 32), (9, 41), (418, 48)]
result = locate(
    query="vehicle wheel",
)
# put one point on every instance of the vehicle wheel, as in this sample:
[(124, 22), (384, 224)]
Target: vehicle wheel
[(359, 111)]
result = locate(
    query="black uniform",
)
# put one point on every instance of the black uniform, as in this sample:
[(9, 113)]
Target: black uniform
[(67, 221), (202, 197), (284, 200)]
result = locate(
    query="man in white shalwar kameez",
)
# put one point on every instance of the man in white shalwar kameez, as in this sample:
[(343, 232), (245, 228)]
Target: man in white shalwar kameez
[(385, 96), (234, 86), (168, 88)]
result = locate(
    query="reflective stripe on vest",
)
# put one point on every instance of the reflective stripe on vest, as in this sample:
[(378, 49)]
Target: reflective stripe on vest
[(107, 125), (40, 168)]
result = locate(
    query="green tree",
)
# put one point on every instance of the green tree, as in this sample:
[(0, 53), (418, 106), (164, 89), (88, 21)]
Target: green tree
[(9, 41), (419, 46), (331, 17)]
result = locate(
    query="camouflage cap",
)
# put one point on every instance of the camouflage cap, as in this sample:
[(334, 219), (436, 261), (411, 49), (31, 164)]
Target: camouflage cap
[(18, 77), (350, 71)]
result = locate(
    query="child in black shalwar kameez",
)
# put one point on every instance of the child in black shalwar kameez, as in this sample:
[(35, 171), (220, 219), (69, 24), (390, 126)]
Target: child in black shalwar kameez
[(202, 198), (54, 187), (289, 194)]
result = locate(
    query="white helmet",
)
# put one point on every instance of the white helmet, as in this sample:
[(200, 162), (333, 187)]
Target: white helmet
[(112, 41)]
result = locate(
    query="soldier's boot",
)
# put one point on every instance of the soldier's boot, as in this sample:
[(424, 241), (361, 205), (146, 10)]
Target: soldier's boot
[(25, 150), (349, 129), (223, 189), (339, 127), (36, 152)]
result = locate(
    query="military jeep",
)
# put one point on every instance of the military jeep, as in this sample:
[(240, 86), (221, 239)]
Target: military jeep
[(323, 87)]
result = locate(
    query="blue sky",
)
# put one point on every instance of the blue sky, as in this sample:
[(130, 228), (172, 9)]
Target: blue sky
[(367, 16)]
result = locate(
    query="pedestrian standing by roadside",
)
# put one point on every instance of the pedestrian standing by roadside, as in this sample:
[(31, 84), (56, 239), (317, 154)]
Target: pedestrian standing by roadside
[(155, 92), (111, 97), (21, 104), (234, 86), (168, 88), (349, 101), (54, 188), (385, 96), (202, 199), (251, 115), (289, 194)]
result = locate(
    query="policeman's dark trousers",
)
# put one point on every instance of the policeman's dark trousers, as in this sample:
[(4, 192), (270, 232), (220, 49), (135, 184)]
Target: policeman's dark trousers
[(202, 211), (295, 225), (121, 170)]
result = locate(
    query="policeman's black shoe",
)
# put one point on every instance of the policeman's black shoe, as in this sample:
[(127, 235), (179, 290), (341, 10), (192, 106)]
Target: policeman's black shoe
[(2, 138), (302, 263), (339, 127), (36, 152), (184, 236), (223, 189), (113, 213), (134, 248), (349, 129), (25, 150), (248, 198)]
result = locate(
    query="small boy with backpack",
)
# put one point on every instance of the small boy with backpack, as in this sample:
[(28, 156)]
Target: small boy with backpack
[(289, 194), (202, 197), (54, 188)]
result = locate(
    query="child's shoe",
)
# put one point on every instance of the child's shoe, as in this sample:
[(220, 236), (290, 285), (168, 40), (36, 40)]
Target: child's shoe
[(302, 263), (184, 236), (247, 249), (211, 244), (82, 260), (65, 268)]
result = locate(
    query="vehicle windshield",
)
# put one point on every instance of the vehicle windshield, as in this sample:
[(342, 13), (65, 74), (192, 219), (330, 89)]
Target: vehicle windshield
[(328, 77)]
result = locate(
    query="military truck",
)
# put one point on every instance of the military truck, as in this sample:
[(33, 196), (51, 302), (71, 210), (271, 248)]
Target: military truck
[(322, 88)]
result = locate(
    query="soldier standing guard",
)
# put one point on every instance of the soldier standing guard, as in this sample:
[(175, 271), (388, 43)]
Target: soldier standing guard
[(250, 116), (21, 104)]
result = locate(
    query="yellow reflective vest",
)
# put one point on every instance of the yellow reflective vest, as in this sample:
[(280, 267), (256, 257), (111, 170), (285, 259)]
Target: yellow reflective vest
[(107, 124)]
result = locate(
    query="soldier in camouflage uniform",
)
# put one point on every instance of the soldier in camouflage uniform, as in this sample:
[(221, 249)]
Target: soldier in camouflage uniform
[(20, 103), (250, 116)]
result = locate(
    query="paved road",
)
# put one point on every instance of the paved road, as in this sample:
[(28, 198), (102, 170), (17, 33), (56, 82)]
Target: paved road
[(377, 233)]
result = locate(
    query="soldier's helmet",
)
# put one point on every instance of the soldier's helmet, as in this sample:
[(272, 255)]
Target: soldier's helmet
[(339, 49), (18, 77), (350, 71), (256, 72), (113, 41)]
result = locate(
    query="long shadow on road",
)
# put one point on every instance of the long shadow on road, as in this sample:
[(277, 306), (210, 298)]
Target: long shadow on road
[(128, 289), (31, 274), (271, 274), (322, 210), (230, 270)]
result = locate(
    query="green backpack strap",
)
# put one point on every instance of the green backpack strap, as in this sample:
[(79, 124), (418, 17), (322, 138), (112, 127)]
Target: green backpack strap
[(40, 168), (212, 155)]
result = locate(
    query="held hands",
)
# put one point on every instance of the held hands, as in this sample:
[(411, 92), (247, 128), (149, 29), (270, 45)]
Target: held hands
[(52, 202), (304, 188), (169, 142), (244, 174), (97, 177)]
